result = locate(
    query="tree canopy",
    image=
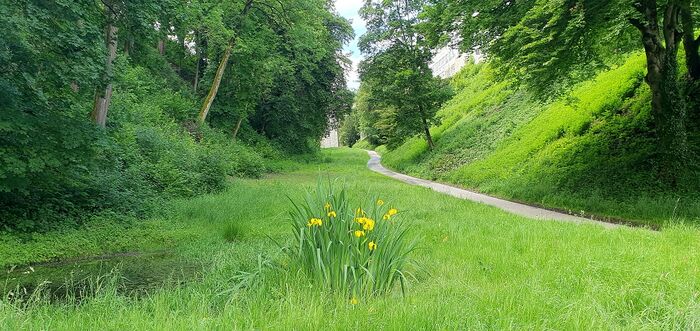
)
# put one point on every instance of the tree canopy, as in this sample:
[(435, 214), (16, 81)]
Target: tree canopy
[(100, 99)]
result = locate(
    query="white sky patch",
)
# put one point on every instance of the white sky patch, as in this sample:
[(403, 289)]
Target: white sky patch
[(349, 9)]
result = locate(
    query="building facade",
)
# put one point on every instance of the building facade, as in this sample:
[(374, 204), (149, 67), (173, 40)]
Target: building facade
[(448, 61), (331, 139)]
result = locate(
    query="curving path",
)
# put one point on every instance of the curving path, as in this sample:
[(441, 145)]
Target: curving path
[(374, 164)]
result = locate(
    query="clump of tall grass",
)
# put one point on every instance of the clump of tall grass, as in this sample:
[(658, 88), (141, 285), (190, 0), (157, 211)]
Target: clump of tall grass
[(361, 249), (232, 232)]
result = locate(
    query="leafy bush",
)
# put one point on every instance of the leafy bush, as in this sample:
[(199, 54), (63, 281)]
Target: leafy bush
[(357, 249)]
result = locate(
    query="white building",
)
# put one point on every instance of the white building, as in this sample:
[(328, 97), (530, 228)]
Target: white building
[(331, 139), (448, 61)]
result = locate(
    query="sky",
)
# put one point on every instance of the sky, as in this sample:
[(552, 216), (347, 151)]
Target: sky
[(349, 9)]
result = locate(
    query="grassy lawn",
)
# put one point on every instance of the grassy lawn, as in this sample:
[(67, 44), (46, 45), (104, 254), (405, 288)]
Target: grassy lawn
[(479, 268)]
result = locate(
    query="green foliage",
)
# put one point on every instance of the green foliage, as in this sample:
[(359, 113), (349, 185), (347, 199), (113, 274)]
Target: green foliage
[(591, 150), (349, 130), (286, 78), (57, 169), (359, 249), (397, 73), (369, 115), (61, 171), (551, 45)]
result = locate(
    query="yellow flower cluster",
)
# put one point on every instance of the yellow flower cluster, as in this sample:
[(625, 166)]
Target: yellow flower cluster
[(368, 223), (332, 214), (314, 222)]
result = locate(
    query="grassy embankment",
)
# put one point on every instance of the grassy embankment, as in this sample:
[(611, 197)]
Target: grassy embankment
[(588, 152), (480, 268)]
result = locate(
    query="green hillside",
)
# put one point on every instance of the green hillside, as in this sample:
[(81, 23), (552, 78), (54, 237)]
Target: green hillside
[(587, 152)]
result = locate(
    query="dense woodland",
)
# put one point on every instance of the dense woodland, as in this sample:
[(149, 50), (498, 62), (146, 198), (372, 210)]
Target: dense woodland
[(110, 106)]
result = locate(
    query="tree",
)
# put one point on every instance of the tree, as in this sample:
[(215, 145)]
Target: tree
[(349, 130), (309, 88), (135, 17), (396, 67), (214, 89), (370, 117), (546, 41), (103, 94)]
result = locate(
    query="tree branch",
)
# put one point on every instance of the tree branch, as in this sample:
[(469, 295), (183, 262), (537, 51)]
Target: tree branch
[(671, 29), (638, 24), (110, 7)]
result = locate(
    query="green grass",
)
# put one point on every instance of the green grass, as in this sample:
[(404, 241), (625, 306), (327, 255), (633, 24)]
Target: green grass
[(589, 151), (480, 268)]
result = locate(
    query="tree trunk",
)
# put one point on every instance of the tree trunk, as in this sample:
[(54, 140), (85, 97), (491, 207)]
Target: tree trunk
[(161, 47), (426, 129), (128, 44), (222, 68), (196, 74), (199, 61), (103, 95), (668, 106), (215, 84), (238, 127), (668, 109), (690, 43)]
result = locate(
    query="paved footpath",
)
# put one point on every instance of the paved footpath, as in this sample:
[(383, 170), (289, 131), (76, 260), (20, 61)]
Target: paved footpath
[(374, 164)]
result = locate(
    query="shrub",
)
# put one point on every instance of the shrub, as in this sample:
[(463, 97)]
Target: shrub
[(351, 248)]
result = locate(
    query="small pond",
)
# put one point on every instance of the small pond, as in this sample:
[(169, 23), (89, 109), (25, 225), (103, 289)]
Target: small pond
[(132, 273)]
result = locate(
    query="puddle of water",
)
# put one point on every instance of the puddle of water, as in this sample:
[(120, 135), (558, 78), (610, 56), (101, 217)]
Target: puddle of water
[(133, 274)]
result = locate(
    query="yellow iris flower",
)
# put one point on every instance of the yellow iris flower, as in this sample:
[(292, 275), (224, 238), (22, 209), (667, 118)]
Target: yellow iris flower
[(332, 214), (327, 206), (390, 213), (359, 233), (380, 202), (372, 245), (368, 224), (314, 222), (354, 301)]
